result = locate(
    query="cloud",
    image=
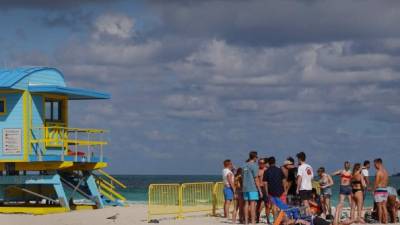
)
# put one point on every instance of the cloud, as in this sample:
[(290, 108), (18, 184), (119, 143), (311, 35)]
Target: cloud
[(156, 135), (272, 23), (221, 63), (114, 25), (217, 78), (48, 4), (245, 105), (193, 107), (75, 20), (111, 54), (209, 80)]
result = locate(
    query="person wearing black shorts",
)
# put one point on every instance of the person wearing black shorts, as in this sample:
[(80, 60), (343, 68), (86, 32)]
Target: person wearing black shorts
[(263, 200), (305, 176), (305, 195)]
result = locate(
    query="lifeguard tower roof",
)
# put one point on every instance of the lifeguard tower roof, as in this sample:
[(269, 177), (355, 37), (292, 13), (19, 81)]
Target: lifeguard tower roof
[(44, 80), (34, 103)]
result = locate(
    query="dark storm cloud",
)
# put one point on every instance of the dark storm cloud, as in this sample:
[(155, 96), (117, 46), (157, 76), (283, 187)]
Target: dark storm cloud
[(389, 46), (47, 4), (76, 20), (259, 22)]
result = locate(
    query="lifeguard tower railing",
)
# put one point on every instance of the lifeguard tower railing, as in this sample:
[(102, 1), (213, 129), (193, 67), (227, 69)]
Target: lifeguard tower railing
[(59, 143)]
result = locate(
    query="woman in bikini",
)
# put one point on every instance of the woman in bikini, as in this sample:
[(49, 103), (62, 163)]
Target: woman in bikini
[(345, 188), (357, 185), (239, 202), (325, 183)]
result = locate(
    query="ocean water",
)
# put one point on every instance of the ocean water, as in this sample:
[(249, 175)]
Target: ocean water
[(137, 185)]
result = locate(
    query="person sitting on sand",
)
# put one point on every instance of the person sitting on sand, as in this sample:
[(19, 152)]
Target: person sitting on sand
[(238, 199), (325, 183), (357, 184), (380, 190), (228, 179), (319, 221), (393, 204), (315, 203), (345, 188)]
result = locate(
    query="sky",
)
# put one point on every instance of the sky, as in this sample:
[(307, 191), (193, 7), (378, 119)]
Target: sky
[(197, 82)]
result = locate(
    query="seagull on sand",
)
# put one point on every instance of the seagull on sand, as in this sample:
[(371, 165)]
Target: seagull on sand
[(114, 217)]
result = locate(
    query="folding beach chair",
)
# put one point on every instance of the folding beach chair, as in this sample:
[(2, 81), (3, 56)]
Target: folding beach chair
[(291, 212)]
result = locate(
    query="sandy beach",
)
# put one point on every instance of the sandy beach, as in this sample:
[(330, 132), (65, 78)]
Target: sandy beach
[(133, 214)]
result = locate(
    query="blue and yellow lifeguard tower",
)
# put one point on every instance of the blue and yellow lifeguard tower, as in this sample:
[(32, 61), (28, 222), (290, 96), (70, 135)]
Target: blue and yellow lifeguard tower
[(45, 165)]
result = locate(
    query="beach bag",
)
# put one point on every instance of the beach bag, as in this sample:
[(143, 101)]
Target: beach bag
[(369, 218)]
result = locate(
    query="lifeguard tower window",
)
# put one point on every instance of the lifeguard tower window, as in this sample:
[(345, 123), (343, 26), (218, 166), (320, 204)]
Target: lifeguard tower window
[(3, 106), (53, 110)]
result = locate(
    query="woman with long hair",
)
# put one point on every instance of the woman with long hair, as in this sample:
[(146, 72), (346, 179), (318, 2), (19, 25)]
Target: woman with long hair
[(238, 198), (357, 185)]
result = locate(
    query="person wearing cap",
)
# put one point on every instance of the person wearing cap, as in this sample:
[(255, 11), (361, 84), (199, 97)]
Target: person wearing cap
[(291, 186), (285, 170)]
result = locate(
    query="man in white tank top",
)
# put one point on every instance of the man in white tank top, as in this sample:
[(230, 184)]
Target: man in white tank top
[(228, 180)]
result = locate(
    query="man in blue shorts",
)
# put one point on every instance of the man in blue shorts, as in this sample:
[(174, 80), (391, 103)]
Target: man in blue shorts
[(251, 188), (228, 179)]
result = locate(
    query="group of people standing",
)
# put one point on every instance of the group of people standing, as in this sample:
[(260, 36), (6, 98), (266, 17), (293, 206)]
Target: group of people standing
[(354, 186), (260, 183)]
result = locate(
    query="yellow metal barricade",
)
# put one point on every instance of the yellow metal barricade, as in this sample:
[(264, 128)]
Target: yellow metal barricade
[(315, 185), (180, 199), (197, 197), (164, 199), (218, 193)]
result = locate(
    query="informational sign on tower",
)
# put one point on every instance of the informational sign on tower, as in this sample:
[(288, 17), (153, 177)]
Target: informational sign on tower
[(12, 138)]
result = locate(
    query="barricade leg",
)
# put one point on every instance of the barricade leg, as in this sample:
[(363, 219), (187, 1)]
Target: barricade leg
[(180, 202)]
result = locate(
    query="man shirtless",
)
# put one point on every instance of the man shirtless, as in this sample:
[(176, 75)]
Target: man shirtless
[(380, 190), (262, 167)]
